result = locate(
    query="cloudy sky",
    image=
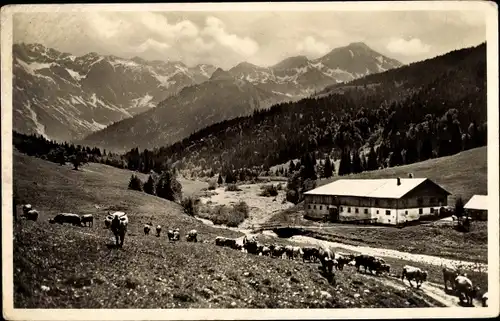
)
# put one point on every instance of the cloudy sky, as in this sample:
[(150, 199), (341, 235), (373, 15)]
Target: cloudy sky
[(263, 38)]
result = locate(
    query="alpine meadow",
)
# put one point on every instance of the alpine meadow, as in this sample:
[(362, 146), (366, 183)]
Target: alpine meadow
[(248, 159)]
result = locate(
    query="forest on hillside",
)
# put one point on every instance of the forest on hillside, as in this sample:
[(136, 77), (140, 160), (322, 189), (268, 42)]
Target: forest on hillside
[(409, 115)]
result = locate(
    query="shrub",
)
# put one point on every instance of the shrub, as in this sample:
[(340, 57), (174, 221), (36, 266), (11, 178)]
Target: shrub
[(212, 185), (231, 216), (168, 187), (269, 190), (232, 188), (135, 183), (190, 206)]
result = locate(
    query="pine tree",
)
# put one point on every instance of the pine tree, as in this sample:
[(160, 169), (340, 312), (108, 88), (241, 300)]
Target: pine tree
[(327, 170), (219, 180), (149, 186), (135, 183)]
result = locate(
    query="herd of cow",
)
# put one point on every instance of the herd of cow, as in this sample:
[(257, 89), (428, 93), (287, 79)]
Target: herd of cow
[(117, 222)]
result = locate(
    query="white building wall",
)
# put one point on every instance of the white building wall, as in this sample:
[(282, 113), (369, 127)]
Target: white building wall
[(383, 215)]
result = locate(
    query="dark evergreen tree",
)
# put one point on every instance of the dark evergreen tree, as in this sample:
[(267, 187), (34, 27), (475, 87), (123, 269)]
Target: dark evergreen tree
[(135, 183)]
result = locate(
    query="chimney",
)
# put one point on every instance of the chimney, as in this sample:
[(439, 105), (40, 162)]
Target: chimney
[(410, 175), (399, 181)]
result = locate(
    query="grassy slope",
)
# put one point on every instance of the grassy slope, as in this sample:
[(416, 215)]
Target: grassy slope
[(462, 174), (80, 271)]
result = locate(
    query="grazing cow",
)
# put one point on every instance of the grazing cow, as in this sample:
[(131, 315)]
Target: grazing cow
[(414, 273), (170, 235), (327, 259), (289, 252), (27, 208), (297, 252), (32, 215), (88, 218), (192, 236), (70, 218), (465, 289), (310, 253), (369, 262), (119, 225), (226, 242), (250, 244), (484, 299), (158, 230), (343, 259), (147, 229), (266, 251), (177, 235), (384, 267), (449, 275), (277, 250)]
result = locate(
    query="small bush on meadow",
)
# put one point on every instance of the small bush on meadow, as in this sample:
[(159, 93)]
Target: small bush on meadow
[(226, 215), (269, 190), (232, 188), (212, 185), (190, 207), (135, 183)]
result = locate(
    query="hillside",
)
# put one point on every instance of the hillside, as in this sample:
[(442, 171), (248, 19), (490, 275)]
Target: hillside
[(71, 267), (65, 97), (464, 174), (439, 115)]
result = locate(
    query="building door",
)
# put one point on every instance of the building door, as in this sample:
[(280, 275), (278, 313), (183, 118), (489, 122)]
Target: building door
[(334, 214)]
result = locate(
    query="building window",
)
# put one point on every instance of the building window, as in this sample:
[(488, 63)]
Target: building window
[(320, 207), (309, 206), (366, 211), (341, 208), (389, 221), (406, 212), (432, 209), (377, 211), (387, 212), (348, 210), (356, 210), (420, 211), (314, 206)]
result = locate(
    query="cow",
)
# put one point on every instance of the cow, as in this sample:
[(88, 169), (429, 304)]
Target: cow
[(27, 208), (70, 218), (289, 252), (170, 235), (384, 267), (88, 218), (119, 226), (414, 273), (449, 275), (484, 299), (327, 257), (158, 230), (297, 252), (277, 250), (32, 215), (310, 253), (177, 235), (266, 251), (465, 289), (147, 229), (227, 242), (343, 259), (369, 262), (250, 244), (192, 236)]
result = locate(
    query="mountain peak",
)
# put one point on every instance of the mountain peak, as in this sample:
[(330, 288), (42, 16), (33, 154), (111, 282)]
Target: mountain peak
[(358, 45), (219, 73)]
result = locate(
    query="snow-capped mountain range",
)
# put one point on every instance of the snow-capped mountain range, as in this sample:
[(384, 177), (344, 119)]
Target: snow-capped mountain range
[(65, 97)]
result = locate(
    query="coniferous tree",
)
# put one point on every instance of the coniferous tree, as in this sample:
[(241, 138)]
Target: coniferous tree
[(328, 170), (135, 183), (149, 186)]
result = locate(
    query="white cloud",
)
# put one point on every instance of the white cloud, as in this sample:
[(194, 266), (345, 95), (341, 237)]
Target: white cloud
[(313, 47), (215, 29), (413, 47), (152, 44)]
